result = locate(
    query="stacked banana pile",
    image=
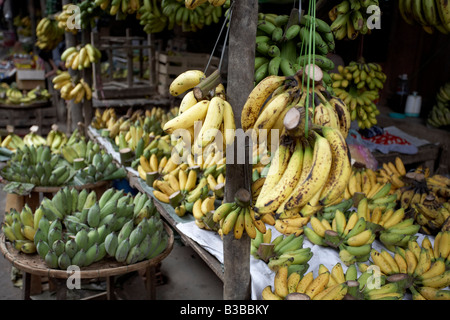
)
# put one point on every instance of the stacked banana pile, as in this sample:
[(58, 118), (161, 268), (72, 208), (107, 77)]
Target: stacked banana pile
[(157, 16), (439, 115), (350, 235), (12, 95), (282, 251), (76, 228), (390, 225), (365, 180), (430, 15), (81, 58), (91, 163), (350, 18), (48, 34), (71, 90), (358, 85), (151, 121), (19, 228), (36, 165), (281, 46), (422, 268)]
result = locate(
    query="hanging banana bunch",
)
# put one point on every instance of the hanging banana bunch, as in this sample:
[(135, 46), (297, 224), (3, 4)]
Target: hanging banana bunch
[(79, 58), (48, 34)]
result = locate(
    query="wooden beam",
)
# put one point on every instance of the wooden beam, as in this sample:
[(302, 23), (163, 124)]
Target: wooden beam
[(237, 281)]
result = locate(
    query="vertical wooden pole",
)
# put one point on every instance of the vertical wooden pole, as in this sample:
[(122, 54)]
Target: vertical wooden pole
[(87, 76), (74, 110), (32, 12), (237, 281)]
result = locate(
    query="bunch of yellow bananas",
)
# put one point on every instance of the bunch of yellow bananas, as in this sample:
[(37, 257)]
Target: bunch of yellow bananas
[(72, 91), (358, 85), (81, 58), (20, 227), (273, 97), (62, 18), (431, 15), (12, 142), (213, 111), (305, 174), (350, 18), (48, 34), (56, 139), (328, 285), (238, 217), (424, 265)]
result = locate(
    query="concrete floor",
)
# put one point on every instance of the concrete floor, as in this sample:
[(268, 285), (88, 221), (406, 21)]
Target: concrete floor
[(183, 276)]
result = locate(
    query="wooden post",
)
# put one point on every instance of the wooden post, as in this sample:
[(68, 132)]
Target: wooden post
[(237, 281), (32, 12), (87, 76), (74, 111)]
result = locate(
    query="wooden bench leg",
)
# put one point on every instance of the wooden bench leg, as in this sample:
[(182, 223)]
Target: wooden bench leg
[(150, 284), (26, 286), (110, 288)]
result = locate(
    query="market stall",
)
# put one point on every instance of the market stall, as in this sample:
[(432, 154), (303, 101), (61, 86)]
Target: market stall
[(276, 148)]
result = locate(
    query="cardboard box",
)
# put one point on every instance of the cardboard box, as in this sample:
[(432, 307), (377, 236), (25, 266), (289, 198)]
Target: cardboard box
[(30, 79)]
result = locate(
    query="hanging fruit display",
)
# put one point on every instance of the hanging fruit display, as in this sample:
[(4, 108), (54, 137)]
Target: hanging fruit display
[(439, 115), (350, 18), (282, 43), (358, 85), (430, 15)]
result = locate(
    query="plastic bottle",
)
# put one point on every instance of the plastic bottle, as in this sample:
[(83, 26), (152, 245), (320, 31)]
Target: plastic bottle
[(402, 92)]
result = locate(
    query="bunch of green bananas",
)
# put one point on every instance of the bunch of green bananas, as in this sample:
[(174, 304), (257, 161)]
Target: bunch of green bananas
[(20, 227), (48, 34), (138, 240), (118, 7), (358, 85), (157, 16), (92, 163), (76, 224), (349, 234), (36, 165), (439, 115), (281, 251), (349, 18), (431, 15), (281, 46)]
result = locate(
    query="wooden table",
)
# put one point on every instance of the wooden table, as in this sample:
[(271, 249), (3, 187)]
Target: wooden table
[(428, 156), (32, 265)]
